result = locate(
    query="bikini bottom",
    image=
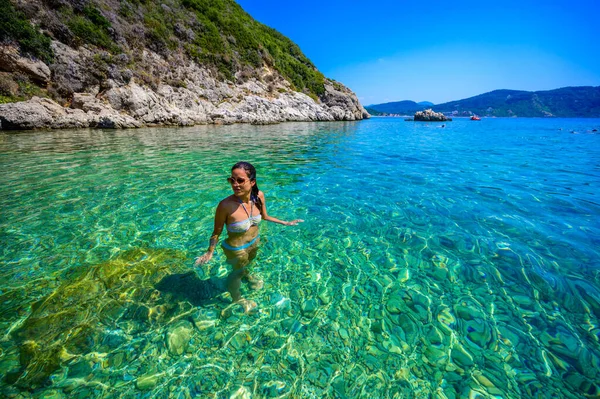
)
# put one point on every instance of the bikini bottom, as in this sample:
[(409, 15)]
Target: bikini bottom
[(229, 247)]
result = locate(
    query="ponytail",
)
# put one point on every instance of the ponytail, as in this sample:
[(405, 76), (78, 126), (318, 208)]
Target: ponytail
[(254, 197)]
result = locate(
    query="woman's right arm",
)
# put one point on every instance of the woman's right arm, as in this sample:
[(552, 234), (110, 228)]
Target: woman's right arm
[(220, 218)]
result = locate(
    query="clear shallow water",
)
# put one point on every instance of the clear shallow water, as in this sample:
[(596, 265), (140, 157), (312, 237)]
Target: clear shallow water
[(446, 262)]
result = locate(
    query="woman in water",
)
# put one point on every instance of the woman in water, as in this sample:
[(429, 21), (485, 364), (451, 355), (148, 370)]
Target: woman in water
[(240, 213)]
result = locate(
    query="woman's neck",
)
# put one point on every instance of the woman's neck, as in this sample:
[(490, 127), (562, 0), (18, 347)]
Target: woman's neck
[(245, 199)]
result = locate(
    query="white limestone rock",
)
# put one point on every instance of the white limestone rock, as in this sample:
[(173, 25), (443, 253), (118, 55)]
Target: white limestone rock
[(11, 61), (194, 96)]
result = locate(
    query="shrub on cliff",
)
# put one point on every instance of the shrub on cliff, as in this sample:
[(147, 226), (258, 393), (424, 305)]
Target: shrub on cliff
[(215, 33), (15, 28), (230, 38), (17, 87)]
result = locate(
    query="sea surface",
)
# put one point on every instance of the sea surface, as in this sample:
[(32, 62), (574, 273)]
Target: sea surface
[(434, 262)]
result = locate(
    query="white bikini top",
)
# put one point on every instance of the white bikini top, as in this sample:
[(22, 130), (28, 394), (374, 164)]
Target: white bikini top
[(244, 225)]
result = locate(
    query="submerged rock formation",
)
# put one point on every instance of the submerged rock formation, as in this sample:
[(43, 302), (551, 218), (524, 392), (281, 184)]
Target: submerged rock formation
[(430, 116), (102, 308)]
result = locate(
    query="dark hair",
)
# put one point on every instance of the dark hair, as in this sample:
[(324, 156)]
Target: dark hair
[(251, 172)]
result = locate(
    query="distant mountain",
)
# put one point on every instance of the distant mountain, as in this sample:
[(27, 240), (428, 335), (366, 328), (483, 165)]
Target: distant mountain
[(573, 102), (374, 112), (398, 107)]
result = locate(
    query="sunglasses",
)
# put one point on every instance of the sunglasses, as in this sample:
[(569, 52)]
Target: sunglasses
[(238, 180)]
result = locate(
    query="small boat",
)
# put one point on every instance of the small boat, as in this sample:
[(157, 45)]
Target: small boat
[(475, 118)]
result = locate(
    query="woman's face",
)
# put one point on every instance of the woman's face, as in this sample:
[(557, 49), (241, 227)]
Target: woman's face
[(241, 183)]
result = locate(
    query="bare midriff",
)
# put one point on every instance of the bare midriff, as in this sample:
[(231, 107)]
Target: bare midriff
[(239, 239)]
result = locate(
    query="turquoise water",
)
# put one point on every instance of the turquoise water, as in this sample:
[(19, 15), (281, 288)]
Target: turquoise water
[(456, 262)]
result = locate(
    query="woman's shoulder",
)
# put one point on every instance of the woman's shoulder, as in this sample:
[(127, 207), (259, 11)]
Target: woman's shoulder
[(228, 202)]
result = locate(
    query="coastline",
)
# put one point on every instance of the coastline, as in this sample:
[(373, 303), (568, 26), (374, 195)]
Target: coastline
[(134, 106), (184, 93)]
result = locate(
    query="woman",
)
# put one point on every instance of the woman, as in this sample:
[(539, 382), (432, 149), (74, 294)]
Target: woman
[(240, 213)]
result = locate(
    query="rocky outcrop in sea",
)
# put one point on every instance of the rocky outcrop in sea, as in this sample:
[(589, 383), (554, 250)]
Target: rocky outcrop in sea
[(177, 92), (430, 116)]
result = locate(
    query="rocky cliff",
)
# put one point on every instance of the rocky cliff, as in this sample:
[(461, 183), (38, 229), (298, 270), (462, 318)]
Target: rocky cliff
[(121, 83)]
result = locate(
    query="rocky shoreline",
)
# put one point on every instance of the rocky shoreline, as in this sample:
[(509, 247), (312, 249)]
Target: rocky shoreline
[(184, 94)]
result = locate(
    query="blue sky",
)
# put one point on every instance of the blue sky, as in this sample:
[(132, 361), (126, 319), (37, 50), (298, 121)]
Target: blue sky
[(441, 51)]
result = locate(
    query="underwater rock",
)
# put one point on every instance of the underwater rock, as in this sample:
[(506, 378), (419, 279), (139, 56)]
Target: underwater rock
[(317, 377), (240, 340), (116, 359), (447, 320), (489, 385), (343, 334), (434, 336), (392, 346), (376, 313), (81, 312), (377, 326), (472, 324), (205, 319), (588, 293), (395, 306), (325, 295), (81, 369), (309, 307), (273, 389), (276, 298), (436, 356), (419, 305), (588, 363), (178, 337), (339, 385), (461, 357), (579, 383), (409, 328), (270, 339), (146, 382)]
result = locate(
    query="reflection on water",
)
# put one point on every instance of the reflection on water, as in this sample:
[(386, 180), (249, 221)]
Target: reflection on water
[(450, 263)]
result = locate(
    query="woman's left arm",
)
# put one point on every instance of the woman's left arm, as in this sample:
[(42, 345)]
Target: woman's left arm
[(265, 215)]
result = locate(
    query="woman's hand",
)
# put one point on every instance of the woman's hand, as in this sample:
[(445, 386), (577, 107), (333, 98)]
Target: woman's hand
[(203, 259), (294, 222)]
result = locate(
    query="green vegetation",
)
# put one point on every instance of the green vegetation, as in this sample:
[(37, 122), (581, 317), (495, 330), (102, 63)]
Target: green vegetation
[(15, 27), (90, 26), (17, 87), (231, 39), (215, 33), (218, 33)]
